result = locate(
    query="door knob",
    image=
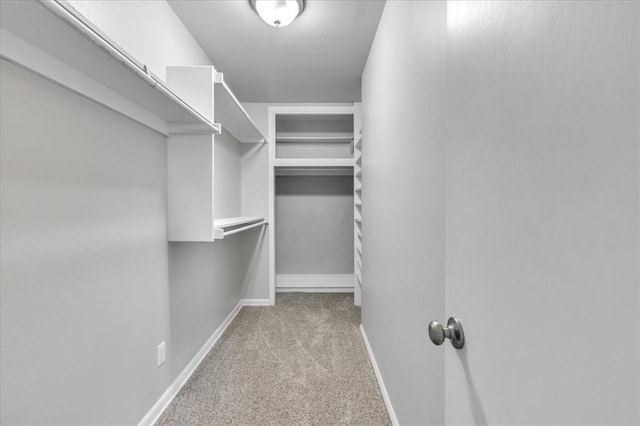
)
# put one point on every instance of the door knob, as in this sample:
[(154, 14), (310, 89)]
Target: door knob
[(453, 331)]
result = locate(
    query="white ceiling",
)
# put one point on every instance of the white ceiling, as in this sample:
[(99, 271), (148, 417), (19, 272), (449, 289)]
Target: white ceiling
[(318, 58)]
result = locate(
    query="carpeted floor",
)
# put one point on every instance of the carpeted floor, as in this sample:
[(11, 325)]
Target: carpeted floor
[(300, 362)]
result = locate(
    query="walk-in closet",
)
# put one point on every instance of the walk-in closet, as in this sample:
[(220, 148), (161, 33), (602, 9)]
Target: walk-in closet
[(319, 212)]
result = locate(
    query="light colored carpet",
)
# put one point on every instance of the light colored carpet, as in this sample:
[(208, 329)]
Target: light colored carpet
[(300, 362)]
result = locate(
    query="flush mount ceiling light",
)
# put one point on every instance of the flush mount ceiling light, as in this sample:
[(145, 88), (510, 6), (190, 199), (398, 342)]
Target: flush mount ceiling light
[(278, 13)]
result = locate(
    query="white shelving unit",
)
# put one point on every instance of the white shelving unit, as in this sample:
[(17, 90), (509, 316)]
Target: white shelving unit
[(311, 141), (314, 136), (232, 115), (54, 40), (357, 203), (204, 170)]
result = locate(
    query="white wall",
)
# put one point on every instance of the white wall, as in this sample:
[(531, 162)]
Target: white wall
[(149, 30), (542, 183), (403, 91), (90, 285), (542, 212)]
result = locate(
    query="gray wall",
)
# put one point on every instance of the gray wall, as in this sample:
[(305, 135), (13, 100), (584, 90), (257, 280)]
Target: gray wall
[(149, 30), (205, 286), (227, 176), (90, 285), (85, 289), (313, 150), (314, 224), (403, 204)]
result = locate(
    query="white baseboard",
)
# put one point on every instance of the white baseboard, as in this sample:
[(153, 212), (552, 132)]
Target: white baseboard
[(158, 408), (376, 371), (314, 290), (290, 281), (255, 302)]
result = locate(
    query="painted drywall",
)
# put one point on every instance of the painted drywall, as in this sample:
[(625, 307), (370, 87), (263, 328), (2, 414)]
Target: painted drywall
[(205, 286), (103, 301), (541, 177), (85, 289), (227, 176), (149, 30), (542, 212), (403, 93), (314, 224)]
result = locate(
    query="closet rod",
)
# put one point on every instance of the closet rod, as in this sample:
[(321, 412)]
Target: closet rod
[(245, 228), (326, 139), (66, 14)]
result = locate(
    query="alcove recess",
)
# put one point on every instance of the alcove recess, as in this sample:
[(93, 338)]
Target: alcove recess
[(204, 170), (316, 213)]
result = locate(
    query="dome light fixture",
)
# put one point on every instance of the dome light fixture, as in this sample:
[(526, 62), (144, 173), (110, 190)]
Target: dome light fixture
[(278, 13)]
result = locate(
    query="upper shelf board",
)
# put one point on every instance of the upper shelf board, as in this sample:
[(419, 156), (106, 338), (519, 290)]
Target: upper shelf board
[(54, 40), (234, 118), (321, 138), (314, 171), (229, 226), (230, 222), (313, 162)]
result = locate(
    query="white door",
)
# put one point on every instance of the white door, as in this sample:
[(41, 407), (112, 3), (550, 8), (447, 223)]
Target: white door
[(542, 212)]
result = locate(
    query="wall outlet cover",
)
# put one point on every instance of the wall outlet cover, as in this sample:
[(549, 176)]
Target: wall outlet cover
[(162, 353)]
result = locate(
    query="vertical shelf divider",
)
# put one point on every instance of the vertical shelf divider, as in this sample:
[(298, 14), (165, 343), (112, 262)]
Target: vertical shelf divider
[(357, 203)]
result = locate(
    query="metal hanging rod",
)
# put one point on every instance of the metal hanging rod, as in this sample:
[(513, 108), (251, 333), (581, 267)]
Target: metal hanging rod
[(244, 228), (66, 13)]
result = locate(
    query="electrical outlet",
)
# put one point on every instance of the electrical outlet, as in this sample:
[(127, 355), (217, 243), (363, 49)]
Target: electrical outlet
[(162, 353)]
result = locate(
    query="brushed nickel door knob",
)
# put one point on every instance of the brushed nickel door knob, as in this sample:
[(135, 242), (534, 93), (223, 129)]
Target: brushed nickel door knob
[(453, 331)]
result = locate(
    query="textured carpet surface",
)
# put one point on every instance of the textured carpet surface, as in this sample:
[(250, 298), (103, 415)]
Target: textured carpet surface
[(299, 362)]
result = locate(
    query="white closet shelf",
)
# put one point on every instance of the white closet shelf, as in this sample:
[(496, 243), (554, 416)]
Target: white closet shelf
[(55, 41), (313, 162), (314, 171), (347, 138), (233, 225), (234, 118)]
